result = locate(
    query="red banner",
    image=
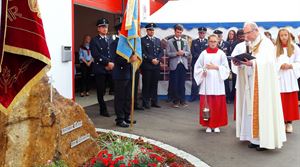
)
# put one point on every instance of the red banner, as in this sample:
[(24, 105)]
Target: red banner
[(26, 54)]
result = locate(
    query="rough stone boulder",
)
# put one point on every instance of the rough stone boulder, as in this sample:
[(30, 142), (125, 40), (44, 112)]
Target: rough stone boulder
[(37, 130)]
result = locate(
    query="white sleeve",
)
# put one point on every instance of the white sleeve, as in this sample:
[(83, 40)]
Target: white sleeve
[(296, 62), (198, 69), (224, 70)]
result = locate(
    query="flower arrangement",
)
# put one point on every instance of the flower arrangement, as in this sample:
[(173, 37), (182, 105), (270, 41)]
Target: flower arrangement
[(116, 151)]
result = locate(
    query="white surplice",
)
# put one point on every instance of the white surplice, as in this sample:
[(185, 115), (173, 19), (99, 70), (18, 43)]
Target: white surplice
[(288, 78), (271, 122), (214, 81)]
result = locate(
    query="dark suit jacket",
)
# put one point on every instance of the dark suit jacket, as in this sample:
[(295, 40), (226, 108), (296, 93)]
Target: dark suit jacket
[(151, 50), (100, 52), (122, 69)]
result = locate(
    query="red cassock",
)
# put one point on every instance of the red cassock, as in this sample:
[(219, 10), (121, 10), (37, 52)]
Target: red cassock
[(25, 53), (290, 106), (218, 111)]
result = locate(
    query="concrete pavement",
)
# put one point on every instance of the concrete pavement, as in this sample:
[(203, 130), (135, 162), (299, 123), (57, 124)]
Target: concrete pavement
[(180, 128)]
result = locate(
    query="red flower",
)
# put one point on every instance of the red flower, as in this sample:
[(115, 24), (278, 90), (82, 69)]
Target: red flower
[(152, 164), (109, 155), (174, 164), (105, 161), (93, 161), (101, 153), (157, 149), (155, 156), (135, 161), (120, 158), (170, 155)]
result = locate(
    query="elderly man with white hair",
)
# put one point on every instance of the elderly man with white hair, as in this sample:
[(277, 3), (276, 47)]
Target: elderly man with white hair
[(259, 115)]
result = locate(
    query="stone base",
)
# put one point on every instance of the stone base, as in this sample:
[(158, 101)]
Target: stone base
[(31, 134)]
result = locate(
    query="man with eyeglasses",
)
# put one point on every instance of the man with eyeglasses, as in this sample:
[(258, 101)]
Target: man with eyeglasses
[(259, 115), (198, 45)]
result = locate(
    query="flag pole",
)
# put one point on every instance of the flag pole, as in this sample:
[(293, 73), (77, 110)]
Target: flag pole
[(134, 68)]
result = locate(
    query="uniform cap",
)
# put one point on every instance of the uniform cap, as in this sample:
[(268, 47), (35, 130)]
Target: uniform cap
[(202, 29), (102, 22), (218, 32), (150, 26)]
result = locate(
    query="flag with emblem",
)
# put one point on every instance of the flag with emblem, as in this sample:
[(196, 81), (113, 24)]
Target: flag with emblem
[(130, 40), (24, 52)]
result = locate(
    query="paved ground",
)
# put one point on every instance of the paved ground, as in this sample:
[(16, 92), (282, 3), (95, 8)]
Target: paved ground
[(180, 128)]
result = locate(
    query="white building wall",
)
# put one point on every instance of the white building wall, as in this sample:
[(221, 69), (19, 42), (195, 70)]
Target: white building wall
[(57, 20)]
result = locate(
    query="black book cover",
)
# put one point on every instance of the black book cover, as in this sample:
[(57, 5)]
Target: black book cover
[(241, 57)]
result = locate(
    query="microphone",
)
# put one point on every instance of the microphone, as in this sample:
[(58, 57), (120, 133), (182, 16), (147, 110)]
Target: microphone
[(247, 47)]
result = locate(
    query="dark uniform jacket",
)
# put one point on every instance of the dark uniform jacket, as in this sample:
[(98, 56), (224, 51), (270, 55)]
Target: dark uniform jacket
[(122, 69), (151, 49), (100, 52), (196, 49), (225, 47)]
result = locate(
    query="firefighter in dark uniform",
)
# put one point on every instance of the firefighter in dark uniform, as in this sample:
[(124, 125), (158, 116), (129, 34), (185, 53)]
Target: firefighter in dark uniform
[(103, 64), (121, 75), (225, 46), (198, 45), (152, 52)]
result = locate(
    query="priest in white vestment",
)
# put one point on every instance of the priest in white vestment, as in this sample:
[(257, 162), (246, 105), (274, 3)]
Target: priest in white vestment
[(259, 116)]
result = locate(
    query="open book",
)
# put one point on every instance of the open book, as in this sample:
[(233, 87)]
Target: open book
[(241, 57)]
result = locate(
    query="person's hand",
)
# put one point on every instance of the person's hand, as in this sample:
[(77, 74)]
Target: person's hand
[(89, 63), (286, 66), (110, 66), (133, 58), (211, 66), (180, 53), (155, 61), (247, 62), (204, 74), (236, 63)]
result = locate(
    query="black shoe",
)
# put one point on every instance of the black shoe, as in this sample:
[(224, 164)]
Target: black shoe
[(253, 145), (122, 124), (128, 121), (138, 108), (260, 149), (155, 105), (105, 114)]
